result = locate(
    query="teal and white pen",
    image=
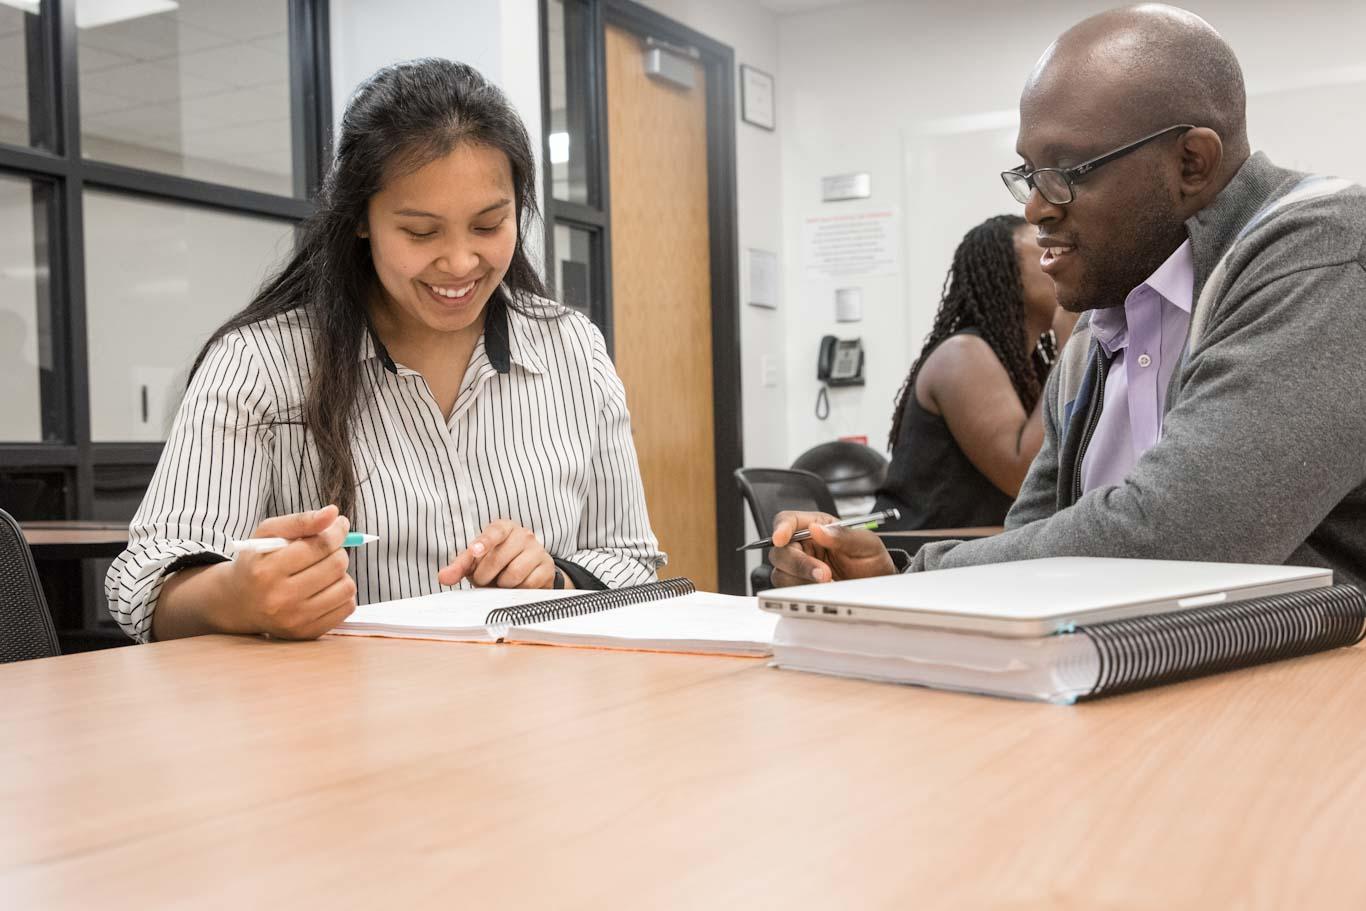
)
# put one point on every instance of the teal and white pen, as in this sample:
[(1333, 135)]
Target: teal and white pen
[(267, 545)]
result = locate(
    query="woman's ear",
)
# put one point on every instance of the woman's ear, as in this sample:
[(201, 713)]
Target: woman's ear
[(363, 230)]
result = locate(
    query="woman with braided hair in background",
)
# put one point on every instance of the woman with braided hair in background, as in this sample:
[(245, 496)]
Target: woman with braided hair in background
[(968, 419)]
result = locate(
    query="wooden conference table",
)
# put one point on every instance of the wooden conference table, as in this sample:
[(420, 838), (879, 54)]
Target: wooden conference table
[(359, 773), (73, 539)]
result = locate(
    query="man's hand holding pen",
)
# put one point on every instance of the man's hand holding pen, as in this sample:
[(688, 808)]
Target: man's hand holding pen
[(829, 555)]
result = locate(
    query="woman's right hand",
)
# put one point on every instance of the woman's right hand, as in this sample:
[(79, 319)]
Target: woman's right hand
[(300, 591)]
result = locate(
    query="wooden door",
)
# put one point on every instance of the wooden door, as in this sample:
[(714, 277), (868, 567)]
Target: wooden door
[(661, 298)]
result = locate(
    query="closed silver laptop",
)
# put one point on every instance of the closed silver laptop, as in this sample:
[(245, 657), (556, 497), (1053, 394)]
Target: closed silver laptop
[(1039, 597)]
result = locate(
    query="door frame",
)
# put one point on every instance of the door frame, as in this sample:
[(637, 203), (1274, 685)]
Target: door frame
[(718, 62)]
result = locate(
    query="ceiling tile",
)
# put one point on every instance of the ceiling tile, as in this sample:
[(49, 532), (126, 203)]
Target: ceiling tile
[(14, 104), (235, 107), (150, 37), (239, 20), (277, 43), (152, 119), (152, 82), (240, 65), (93, 59), (94, 103)]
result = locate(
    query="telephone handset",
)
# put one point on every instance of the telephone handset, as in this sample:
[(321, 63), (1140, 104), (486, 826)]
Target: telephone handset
[(840, 363)]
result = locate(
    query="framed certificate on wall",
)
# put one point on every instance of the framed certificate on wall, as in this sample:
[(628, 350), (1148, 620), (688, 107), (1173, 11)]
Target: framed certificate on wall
[(756, 97)]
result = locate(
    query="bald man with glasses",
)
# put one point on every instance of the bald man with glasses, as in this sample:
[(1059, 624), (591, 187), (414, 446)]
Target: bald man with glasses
[(1211, 404)]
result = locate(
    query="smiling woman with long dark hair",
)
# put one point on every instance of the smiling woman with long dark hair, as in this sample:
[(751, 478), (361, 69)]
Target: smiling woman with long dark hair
[(404, 375)]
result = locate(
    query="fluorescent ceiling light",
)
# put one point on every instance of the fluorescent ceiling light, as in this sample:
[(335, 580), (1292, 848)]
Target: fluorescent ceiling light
[(94, 13), (559, 148), (24, 272)]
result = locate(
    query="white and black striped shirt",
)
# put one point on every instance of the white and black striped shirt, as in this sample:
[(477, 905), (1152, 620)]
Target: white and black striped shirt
[(539, 435)]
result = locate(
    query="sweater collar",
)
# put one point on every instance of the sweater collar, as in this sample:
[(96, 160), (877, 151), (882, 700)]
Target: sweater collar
[(1213, 229)]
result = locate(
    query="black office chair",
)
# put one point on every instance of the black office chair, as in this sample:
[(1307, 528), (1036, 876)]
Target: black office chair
[(852, 471), (769, 491), (25, 624)]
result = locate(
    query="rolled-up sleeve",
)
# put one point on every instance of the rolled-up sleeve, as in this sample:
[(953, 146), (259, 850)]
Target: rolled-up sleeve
[(614, 538), (211, 486)]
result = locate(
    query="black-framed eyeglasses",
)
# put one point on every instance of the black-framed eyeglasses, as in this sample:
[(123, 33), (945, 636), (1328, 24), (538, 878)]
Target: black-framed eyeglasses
[(1057, 185)]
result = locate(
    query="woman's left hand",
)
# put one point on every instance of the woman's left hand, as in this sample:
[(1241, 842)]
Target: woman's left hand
[(505, 555)]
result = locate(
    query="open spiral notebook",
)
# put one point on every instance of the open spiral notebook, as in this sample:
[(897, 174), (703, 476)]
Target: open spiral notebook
[(667, 616)]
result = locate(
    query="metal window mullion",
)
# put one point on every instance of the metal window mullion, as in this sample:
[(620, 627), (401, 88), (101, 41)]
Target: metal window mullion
[(40, 56), (68, 253), (548, 205), (195, 192), (573, 213), (602, 193), (37, 455), (309, 93), (32, 162)]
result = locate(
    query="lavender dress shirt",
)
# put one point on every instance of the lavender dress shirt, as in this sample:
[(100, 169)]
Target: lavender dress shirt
[(1144, 339)]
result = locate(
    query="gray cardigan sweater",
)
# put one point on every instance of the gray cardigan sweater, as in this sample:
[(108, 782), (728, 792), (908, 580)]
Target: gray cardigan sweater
[(1263, 451)]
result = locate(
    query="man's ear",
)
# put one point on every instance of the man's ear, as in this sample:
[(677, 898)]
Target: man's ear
[(1202, 151)]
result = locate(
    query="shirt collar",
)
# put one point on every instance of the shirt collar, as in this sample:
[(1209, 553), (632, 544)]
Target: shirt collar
[(371, 347), (505, 341), (1173, 281), (1175, 278)]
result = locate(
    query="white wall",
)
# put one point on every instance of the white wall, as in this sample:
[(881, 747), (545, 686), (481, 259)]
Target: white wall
[(923, 97)]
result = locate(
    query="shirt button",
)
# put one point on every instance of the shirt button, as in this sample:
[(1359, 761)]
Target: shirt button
[(1144, 360)]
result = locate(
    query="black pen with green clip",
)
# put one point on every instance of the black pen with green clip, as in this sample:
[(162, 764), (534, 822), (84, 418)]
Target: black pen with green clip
[(872, 521)]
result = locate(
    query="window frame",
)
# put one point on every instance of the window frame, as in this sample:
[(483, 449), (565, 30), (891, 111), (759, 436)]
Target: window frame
[(55, 158)]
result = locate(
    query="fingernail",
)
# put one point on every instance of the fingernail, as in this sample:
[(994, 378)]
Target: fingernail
[(477, 549)]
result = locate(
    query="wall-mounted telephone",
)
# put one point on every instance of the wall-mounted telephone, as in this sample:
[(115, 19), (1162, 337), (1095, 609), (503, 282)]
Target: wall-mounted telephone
[(840, 363)]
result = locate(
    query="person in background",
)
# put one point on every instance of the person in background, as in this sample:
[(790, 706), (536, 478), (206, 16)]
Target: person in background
[(404, 371), (969, 418)]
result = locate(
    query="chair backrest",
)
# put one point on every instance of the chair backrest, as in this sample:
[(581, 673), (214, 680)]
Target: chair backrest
[(25, 624), (849, 469), (769, 491)]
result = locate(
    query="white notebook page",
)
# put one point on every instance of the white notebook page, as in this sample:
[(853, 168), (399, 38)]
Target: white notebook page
[(457, 615), (700, 622)]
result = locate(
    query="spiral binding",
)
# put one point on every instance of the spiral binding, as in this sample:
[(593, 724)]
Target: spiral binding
[(591, 603), (1165, 648)]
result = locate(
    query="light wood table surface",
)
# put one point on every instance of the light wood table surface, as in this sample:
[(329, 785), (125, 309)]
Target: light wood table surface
[(75, 539), (367, 773)]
